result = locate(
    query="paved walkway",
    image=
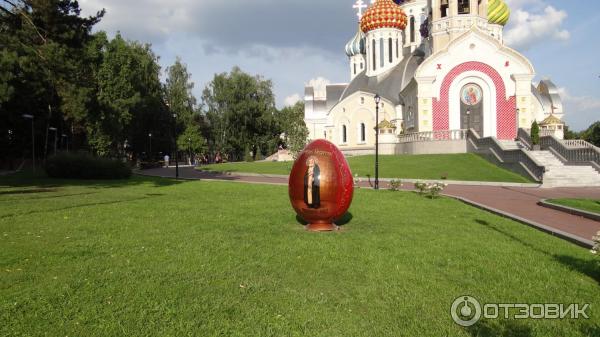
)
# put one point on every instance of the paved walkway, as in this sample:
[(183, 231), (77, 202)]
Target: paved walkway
[(520, 203)]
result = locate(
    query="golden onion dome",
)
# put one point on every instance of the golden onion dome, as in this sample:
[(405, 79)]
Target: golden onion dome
[(498, 12), (383, 14)]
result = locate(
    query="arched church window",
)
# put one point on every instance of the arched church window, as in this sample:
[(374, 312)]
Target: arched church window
[(412, 29), (344, 135), (391, 52), (362, 100), (374, 59), (464, 6), (354, 68), (397, 49), (363, 132), (381, 52)]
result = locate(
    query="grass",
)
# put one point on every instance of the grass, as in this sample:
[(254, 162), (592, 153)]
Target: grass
[(589, 205), (464, 167), (154, 257)]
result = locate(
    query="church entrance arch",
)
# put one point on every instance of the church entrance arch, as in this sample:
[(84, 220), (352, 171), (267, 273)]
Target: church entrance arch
[(471, 107)]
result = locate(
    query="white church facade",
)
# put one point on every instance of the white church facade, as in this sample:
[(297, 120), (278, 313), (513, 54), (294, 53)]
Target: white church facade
[(441, 68)]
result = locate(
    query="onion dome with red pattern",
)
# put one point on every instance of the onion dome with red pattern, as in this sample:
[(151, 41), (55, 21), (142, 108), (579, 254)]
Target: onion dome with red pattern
[(383, 14)]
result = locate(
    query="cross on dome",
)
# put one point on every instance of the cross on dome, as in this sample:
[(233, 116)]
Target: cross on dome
[(360, 5)]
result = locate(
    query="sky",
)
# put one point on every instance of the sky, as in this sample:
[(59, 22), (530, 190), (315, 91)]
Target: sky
[(295, 43)]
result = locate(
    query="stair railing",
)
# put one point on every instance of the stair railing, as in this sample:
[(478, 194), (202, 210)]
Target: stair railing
[(573, 153), (525, 138), (512, 156)]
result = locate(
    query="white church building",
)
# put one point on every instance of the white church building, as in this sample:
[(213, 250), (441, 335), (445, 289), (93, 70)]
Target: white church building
[(441, 68)]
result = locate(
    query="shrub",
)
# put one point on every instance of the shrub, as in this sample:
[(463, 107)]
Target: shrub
[(535, 133), (596, 249), (147, 165), (84, 166), (395, 185), (421, 187), (357, 181), (433, 190)]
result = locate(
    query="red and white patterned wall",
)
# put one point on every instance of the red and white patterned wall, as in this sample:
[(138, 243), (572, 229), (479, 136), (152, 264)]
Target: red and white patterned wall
[(506, 114)]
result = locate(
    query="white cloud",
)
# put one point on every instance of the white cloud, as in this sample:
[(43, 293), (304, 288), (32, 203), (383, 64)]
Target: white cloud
[(528, 28), (579, 103), (229, 24), (580, 111), (291, 100)]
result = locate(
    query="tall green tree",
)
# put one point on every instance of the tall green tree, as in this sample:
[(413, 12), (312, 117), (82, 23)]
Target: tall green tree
[(295, 132), (129, 99), (44, 70), (240, 110), (592, 134), (182, 103), (191, 141), (178, 93)]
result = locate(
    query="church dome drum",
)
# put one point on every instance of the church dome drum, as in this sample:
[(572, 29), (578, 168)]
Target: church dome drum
[(383, 14), (498, 12)]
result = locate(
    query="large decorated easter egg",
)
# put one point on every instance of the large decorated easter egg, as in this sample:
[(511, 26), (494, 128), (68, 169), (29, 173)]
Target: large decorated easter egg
[(321, 185)]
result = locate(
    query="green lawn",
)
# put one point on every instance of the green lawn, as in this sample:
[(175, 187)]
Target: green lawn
[(152, 257), (465, 167), (583, 204)]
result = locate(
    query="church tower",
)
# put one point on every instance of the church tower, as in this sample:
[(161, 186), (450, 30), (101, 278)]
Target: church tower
[(383, 24), (451, 18)]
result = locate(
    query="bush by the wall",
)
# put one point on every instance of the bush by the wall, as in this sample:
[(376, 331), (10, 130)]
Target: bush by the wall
[(85, 166), (535, 133)]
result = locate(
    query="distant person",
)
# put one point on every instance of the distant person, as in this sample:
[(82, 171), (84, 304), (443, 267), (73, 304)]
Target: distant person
[(167, 158)]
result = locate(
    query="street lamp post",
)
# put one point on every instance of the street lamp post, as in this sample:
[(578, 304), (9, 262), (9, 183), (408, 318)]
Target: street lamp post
[(65, 142), (26, 116), (150, 150), (377, 101), (176, 149), (53, 129), (517, 122), (190, 150), (468, 120), (10, 149)]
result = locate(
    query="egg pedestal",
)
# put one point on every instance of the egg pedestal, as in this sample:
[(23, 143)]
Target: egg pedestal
[(321, 186)]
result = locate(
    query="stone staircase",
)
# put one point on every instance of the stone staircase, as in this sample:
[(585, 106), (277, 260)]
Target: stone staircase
[(560, 175), (509, 144)]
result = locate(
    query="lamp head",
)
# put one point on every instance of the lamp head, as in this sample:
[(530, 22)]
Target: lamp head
[(377, 99)]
